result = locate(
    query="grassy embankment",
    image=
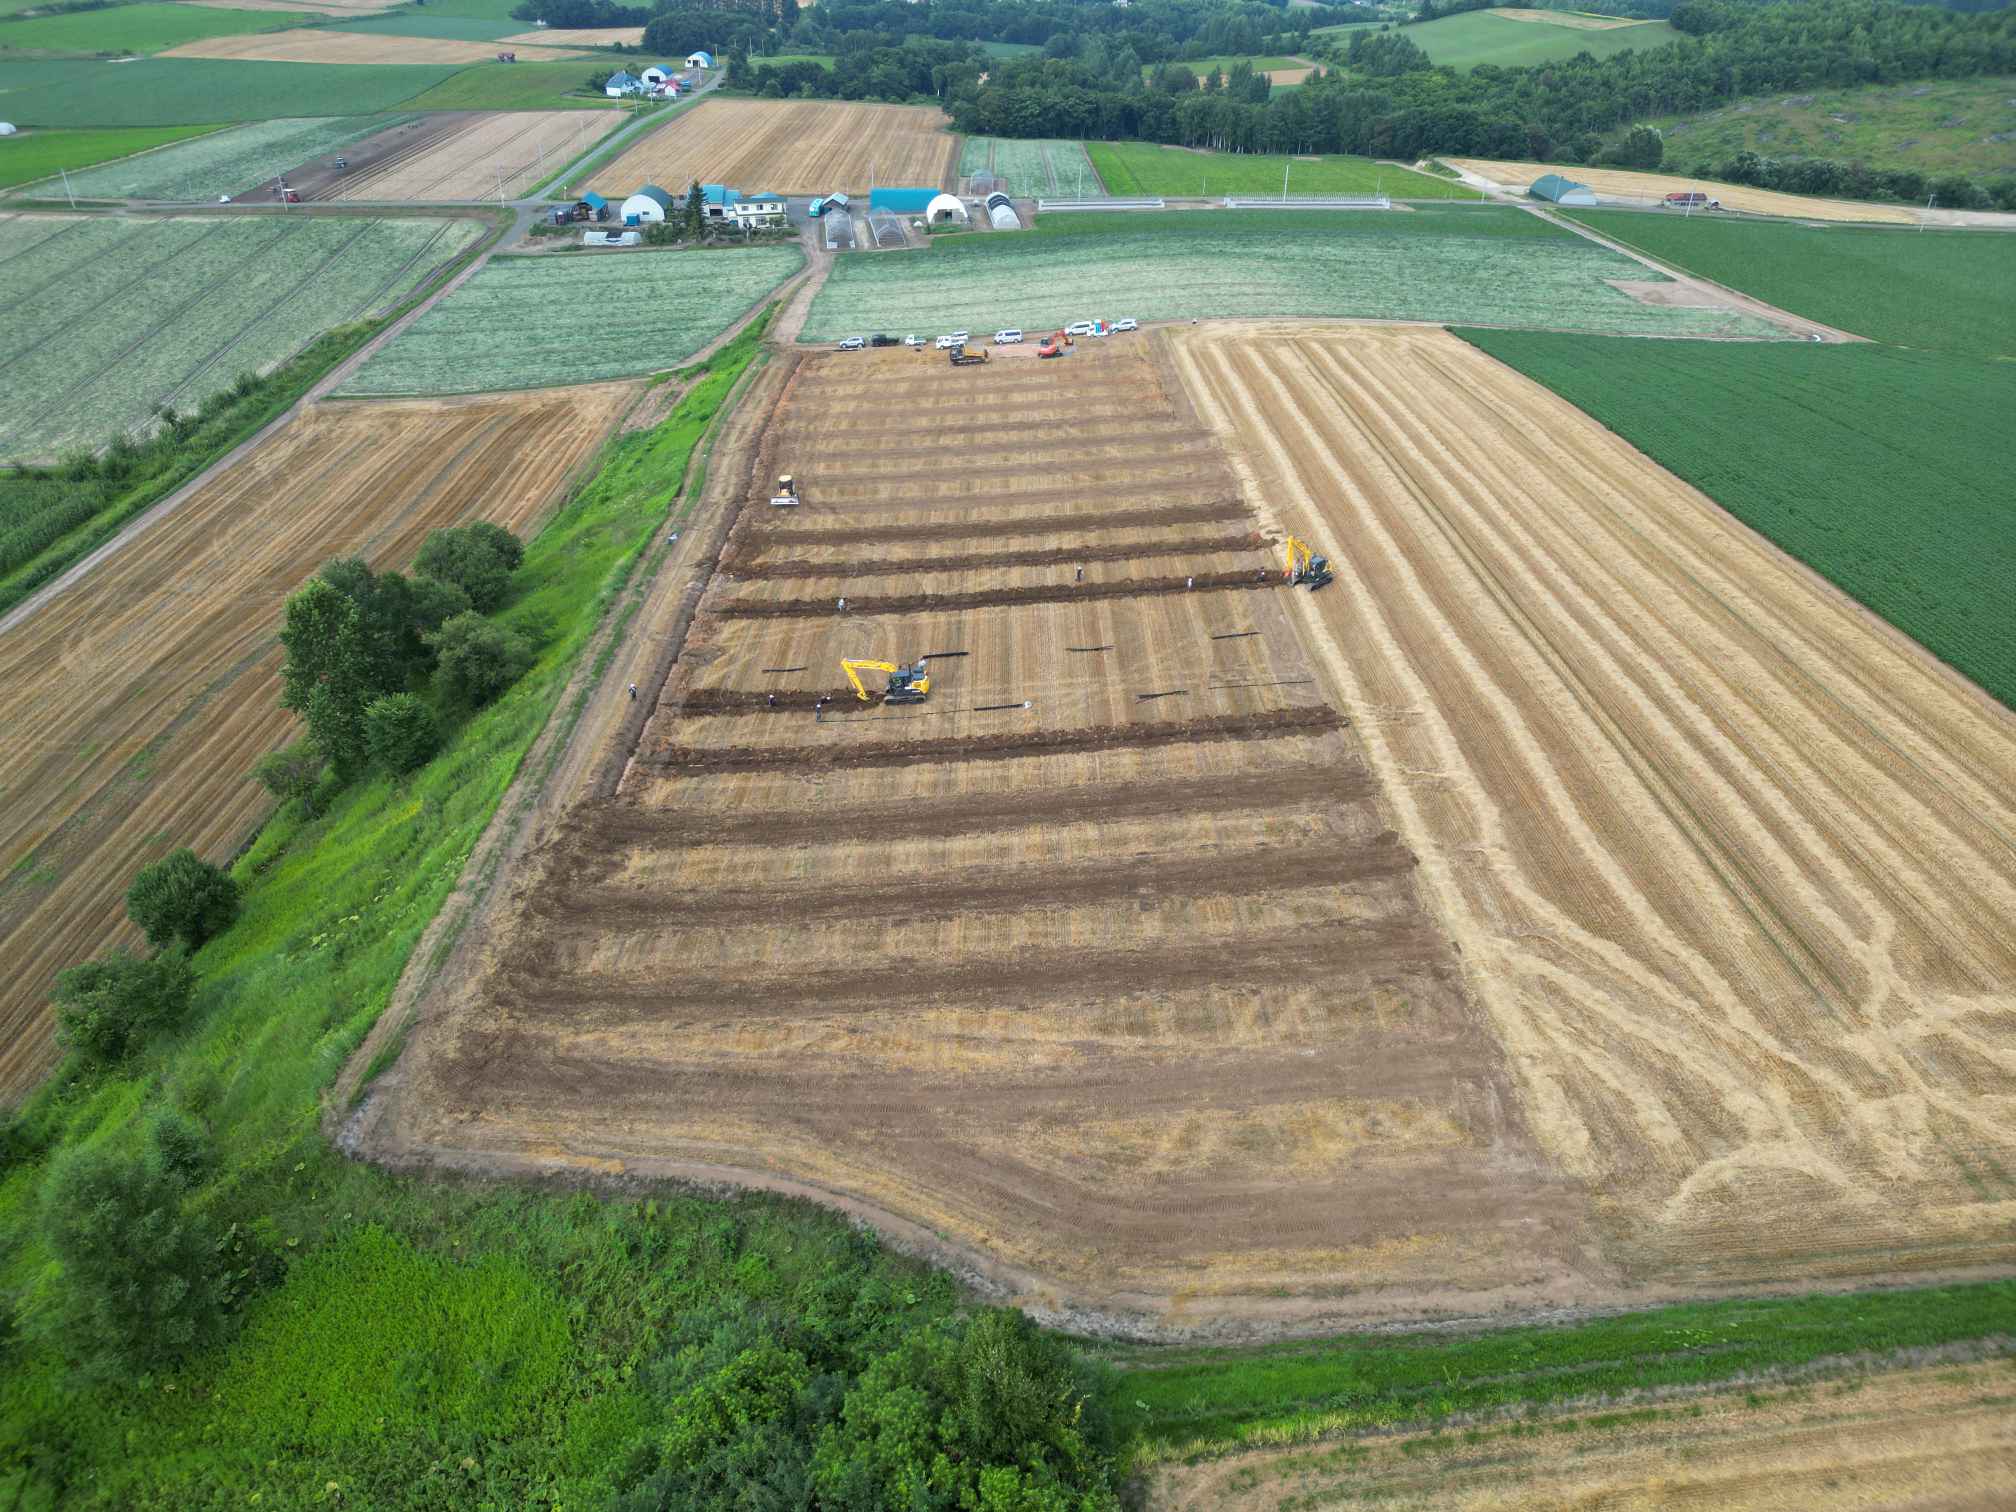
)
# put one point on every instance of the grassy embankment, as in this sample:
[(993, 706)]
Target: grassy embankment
[(1130, 168), (33, 155), (422, 1343)]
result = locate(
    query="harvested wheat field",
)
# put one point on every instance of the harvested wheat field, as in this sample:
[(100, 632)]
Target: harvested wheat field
[(1731, 866), (1574, 20), (319, 7), (581, 36), (467, 157), (1103, 963), (141, 695), (1934, 1439), (790, 147), (322, 45), (1618, 183)]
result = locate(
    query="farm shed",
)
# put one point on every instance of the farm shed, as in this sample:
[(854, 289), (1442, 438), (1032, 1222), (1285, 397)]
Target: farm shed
[(648, 204), (593, 206), (901, 201), (1001, 214), (7, 128), (657, 73), (718, 201), (946, 207), (621, 83), (1551, 186), (700, 60)]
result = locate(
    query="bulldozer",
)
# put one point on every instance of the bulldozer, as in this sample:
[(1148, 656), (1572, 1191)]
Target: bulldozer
[(786, 496), (1304, 566), (907, 685), (963, 358)]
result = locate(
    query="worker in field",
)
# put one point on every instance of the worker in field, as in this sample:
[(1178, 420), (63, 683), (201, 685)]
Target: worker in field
[(633, 692)]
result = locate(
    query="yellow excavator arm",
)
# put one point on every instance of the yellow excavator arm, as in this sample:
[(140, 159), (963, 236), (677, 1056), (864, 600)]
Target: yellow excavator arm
[(1297, 559), (854, 669)]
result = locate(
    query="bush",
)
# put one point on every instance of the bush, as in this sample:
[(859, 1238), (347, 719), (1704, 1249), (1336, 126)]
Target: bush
[(143, 1284), (400, 731), (1643, 148), (291, 772), (479, 659), (182, 898), (180, 1146), (473, 558), (109, 1008)]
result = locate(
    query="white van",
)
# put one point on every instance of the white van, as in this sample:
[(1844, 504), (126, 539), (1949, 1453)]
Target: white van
[(1081, 328), (1007, 338)]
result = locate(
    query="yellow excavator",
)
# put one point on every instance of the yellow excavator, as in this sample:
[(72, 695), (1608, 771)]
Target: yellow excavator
[(907, 685), (1304, 566)]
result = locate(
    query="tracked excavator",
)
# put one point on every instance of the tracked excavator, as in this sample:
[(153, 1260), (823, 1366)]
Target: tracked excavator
[(1304, 566), (907, 685)]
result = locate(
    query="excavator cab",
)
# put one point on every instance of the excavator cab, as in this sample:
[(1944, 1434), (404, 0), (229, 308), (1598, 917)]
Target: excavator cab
[(786, 496), (1304, 566), (907, 685)]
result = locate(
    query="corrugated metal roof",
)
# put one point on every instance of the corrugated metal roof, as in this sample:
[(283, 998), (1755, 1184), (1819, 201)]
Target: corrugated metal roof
[(652, 191)]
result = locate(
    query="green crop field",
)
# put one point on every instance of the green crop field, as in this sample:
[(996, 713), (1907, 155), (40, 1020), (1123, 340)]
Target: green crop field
[(1480, 37), (518, 86), (31, 155), (1895, 489), (213, 91), (1938, 126), (1945, 289), (1130, 168), (228, 162), (146, 28), (1032, 167), (1251, 263), (430, 23), (527, 322), (112, 318)]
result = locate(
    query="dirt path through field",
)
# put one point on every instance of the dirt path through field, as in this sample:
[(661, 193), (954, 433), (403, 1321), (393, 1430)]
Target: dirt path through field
[(1734, 871)]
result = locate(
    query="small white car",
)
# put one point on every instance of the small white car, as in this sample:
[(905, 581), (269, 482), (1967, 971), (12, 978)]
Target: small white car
[(852, 344), (946, 343), (913, 341), (960, 338), (1007, 338), (1130, 324), (1081, 328)]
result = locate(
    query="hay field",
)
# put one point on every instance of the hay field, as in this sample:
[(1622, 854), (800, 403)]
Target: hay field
[(141, 695), (1104, 961), (579, 36), (321, 45), (1729, 863), (790, 147), (1618, 183), (516, 147)]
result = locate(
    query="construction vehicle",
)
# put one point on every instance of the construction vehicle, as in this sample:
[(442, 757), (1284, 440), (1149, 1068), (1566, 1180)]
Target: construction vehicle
[(963, 358), (1304, 566), (907, 685), (786, 496), (1055, 343)]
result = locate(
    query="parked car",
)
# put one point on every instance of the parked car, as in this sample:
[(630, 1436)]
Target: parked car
[(960, 338), (852, 344), (1007, 338), (1129, 324), (946, 343), (913, 341), (879, 340), (1081, 328)]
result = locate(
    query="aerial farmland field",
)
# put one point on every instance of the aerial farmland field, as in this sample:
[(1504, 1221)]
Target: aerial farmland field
[(1177, 172), (1485, 266), (1031, 167), (473, 157), (152, 683), (327, 45), (1727, 859), (30, 155), (164, 91), (1649, 188), (143, 28), (530, 322), (227, 162), (113, 318), (790, 147)]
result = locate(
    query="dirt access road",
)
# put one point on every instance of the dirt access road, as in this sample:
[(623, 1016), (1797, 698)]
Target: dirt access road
[(1110, 934), (141, 693), (1732, 867)]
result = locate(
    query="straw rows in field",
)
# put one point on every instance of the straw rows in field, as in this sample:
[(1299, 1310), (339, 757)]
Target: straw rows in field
[(109, 319), (789, 147), (141, 695), (528, 322), (323, 45), (1106, 935), (227, 162), (1729, 862), (505, 153)]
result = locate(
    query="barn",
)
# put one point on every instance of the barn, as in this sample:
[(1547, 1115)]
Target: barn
[(1551, 186), (657, 73), (945, 209), (592, 207), (700, 60), (901, 201), (645, 206)]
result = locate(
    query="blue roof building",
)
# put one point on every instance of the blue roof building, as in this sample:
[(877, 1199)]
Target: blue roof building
[(902, 201)]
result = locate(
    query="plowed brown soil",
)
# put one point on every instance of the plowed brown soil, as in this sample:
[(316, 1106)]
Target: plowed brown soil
[(483, 155), (1104, 966), (1934, 1439), (790, 147), (138, 699), (1732, 866)]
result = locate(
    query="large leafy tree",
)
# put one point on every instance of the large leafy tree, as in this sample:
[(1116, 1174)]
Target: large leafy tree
[(327, 678)]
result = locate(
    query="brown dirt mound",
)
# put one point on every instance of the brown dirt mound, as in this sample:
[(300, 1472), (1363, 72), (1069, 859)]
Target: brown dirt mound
[(981, 598), (980, 530), (742, 567)]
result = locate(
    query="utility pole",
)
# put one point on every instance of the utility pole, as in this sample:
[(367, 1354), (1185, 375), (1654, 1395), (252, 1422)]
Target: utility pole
[(1284, 182), (66, 187), (499, 169), (1930, 200)]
